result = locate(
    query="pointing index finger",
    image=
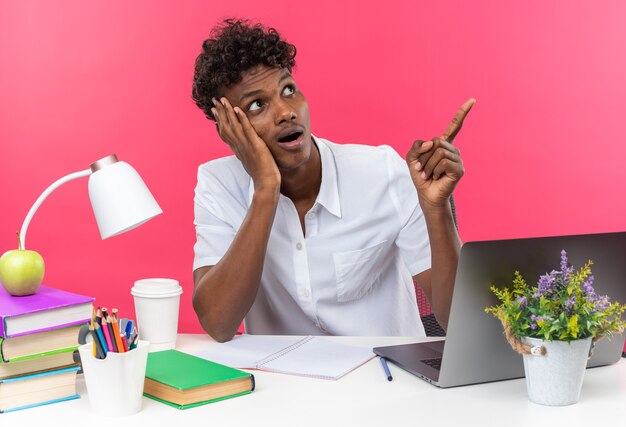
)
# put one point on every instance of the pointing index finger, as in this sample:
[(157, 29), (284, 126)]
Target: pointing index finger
[(457, 122)]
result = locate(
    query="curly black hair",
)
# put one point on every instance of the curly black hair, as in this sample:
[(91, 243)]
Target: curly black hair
[(234, 47)]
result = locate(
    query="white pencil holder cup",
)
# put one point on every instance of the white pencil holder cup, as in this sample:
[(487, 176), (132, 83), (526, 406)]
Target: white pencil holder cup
[(115, 383)]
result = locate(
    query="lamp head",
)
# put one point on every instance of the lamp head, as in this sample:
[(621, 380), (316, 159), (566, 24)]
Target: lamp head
[(120, 199)]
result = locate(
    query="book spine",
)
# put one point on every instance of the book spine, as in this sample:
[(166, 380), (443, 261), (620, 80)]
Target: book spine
[(47, 402), (41, 374), (3, 327), (33, 356), (2, 351), (65, 325)]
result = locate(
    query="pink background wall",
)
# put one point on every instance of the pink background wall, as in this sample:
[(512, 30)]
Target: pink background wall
[(543, 147)]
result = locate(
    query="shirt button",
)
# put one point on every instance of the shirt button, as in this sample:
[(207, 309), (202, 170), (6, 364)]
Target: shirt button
[(299, 246), (305, 292)]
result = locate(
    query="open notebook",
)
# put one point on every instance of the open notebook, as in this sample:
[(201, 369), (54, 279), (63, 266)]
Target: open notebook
[(309, 356)]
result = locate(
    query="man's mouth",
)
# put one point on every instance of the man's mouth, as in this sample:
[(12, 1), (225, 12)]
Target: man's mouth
[(291, 137), (292, 140)]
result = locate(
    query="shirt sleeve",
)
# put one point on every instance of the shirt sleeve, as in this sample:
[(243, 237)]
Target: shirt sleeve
[(214, 229), (412, 240)]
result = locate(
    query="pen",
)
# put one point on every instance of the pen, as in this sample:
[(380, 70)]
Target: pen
[(383, 363), (129, 328), (124, 342)]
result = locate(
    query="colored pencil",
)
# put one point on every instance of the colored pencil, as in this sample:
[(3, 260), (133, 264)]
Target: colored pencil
[(96, 342), (100, 335), (107, 336), (116, 334), (94, 349), (112, 334), (99, 316)]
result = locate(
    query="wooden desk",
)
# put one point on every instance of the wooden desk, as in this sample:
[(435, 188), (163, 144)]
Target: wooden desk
[(361, 398)]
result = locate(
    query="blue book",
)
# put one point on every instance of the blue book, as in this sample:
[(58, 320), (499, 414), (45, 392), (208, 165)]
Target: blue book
[(42, 388)]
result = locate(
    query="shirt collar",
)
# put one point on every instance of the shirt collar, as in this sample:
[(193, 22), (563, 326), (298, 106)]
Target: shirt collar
[(329, 190)]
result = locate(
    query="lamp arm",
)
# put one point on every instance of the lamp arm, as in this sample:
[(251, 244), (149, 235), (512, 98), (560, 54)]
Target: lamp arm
[(43, 197)]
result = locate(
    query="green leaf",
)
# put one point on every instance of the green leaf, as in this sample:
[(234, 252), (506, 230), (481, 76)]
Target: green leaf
[(572, 326)]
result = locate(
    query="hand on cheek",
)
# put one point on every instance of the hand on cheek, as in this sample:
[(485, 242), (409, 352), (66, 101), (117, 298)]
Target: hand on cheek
[(236, 130)]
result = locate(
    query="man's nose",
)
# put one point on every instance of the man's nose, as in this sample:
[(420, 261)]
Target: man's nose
[(285, 112)]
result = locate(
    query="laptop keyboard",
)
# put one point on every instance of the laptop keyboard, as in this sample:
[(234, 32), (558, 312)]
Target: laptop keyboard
[(433, 363)]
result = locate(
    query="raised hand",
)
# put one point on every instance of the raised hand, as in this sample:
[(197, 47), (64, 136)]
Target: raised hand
[(436, 166), (235, 130)]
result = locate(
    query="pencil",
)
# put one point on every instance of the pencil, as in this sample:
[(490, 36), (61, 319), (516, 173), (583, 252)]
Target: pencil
[(94, 349), (103, 343), (99, 316), (96, 342), (116, 333), (107, 337), (112, 334)]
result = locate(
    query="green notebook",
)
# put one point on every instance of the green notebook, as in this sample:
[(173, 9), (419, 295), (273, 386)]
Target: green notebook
[(183, 381)]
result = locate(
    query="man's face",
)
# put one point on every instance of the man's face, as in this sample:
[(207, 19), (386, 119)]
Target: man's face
[(277, 111)]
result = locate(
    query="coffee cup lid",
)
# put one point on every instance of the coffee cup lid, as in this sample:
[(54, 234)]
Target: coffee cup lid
[(157, 287)]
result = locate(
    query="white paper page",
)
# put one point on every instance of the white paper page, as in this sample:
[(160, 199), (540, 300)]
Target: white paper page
[(320, 358), (243, 351)]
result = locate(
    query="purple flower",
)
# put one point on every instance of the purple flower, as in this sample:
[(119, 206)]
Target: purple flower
[(563, 261), (533, 324), (521, 300), (565, 270), (588, 285), (570, 303), (588, 291), (602, 303), (545, 285)]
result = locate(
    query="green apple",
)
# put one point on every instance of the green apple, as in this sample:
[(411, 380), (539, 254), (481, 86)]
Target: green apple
[(21, 271)]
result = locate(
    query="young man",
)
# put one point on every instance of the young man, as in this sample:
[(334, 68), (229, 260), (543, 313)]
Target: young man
[(298, 235)]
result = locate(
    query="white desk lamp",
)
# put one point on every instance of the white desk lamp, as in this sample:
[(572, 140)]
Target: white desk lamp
[(120, 199)]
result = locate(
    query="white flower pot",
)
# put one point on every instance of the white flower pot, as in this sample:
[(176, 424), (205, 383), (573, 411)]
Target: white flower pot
[(555, 379)]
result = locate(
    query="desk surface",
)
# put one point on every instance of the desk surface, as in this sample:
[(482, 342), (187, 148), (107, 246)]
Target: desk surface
[(364, 397)]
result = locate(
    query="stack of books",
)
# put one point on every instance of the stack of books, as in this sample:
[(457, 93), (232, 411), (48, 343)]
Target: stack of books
[(38, 336)]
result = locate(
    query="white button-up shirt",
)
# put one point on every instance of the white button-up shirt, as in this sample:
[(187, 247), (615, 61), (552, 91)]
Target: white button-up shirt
[(351, 274)]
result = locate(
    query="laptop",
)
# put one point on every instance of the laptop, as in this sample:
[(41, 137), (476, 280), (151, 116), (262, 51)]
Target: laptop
[(475, 349)]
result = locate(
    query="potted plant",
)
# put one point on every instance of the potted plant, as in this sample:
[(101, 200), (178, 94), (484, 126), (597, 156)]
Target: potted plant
[(554, 326)]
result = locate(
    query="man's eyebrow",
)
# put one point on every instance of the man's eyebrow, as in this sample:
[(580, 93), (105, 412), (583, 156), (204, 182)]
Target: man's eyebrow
[(250, 94), (285, 75)]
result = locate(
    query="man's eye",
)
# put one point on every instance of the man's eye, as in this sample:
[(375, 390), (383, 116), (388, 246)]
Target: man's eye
[(289, 90), (255, 105)]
